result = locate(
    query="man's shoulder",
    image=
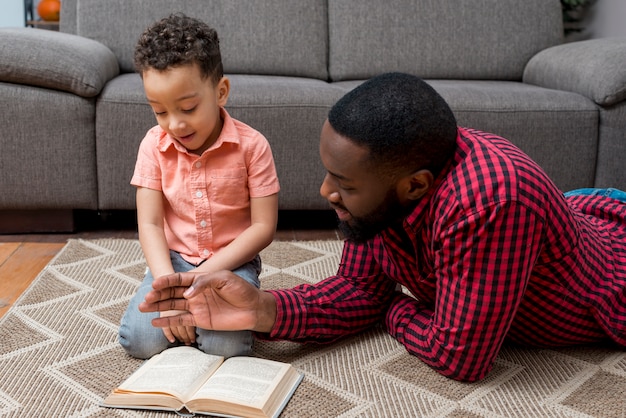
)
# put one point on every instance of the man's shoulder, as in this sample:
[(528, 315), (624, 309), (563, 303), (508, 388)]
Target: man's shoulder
[(493, 158), (490, 170)]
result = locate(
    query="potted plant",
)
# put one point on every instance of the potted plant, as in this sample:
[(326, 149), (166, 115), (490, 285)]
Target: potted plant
[(574, 13)]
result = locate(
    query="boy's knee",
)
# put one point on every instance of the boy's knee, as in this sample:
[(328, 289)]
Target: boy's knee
[(141, 346), (225, 343)]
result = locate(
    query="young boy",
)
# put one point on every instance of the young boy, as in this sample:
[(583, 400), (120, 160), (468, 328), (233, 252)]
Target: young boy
[(206, 183)]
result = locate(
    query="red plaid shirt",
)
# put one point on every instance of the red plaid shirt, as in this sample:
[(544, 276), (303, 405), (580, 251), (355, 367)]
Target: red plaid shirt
[(493, 251)]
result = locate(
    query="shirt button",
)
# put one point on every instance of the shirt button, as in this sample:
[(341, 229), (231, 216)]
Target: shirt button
[(198, 164), (198, 193), (203, 224), (205, 252)]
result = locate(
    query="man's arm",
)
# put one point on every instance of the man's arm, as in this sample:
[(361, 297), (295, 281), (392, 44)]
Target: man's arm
[(484, 264), (322, 312)]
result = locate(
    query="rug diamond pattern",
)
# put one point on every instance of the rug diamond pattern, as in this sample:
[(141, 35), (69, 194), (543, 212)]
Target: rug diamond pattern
[(58, 344), (16, 334)]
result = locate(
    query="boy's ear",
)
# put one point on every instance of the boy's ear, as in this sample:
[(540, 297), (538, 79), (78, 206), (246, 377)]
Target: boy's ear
[(223, 90)]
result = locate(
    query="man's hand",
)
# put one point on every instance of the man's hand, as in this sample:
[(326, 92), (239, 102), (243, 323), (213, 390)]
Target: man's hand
[(220, 301)]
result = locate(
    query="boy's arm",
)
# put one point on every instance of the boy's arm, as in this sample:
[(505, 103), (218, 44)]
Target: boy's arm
[(260, 233), (156, 251), (151, 231)]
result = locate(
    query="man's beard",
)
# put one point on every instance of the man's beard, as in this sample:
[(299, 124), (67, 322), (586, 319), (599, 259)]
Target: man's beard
[(364, 228)]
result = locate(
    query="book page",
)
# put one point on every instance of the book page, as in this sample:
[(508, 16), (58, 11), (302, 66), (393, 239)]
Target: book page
[(244, 380), (178, 371)]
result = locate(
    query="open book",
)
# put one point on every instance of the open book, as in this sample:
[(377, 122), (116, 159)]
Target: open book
[(186, 380)]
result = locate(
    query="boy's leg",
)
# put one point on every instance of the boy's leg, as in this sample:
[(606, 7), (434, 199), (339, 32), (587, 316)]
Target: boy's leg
[(136, 334), (231, 343)]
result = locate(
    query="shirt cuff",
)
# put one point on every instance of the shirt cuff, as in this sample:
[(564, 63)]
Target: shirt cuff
[(399, 314), (290, 316)]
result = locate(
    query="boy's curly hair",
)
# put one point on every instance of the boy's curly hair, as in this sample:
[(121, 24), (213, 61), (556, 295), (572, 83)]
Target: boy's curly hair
[(179, 40)]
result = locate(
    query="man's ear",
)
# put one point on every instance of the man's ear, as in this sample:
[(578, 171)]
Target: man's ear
[(223, 90), (415, 185)]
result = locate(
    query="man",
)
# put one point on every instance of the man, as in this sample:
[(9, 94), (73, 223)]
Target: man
[(488, 246)]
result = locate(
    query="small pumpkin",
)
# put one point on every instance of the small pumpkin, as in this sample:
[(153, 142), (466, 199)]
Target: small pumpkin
[(49, 10)]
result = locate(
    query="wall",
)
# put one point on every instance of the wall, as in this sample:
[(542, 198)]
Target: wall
[(12, 13), (608, 19)]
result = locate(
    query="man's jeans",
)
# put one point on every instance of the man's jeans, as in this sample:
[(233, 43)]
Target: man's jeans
[(141, 340), (613, 193)]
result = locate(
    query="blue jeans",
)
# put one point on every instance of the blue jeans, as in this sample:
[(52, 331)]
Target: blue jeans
[(610, 192), (141, 340)]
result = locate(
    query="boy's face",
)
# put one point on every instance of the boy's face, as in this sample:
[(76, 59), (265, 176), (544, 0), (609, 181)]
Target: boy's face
[(187, 106)]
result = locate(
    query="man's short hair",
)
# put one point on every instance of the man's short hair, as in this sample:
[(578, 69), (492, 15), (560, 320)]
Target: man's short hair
[(403, 121)]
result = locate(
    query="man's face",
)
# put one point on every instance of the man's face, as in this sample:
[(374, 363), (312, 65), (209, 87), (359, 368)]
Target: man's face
[(365, 202)]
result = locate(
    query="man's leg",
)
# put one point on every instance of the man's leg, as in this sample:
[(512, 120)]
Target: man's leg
[(609, 192)]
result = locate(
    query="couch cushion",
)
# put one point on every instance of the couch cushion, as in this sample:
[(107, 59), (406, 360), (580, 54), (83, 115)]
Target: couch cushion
[(55, 60), (289, 111), (124, 117), (48, 158), (557, 129), (479, 39), (281, 37)]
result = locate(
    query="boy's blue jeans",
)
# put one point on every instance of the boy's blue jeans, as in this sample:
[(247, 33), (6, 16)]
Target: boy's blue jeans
[(610, 192), (141, 340)]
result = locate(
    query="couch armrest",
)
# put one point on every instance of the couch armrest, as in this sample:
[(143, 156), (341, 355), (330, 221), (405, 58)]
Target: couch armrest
[(595, 68), (55, 60)]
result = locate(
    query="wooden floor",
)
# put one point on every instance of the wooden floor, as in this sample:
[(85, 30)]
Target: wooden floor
[(23, 256)]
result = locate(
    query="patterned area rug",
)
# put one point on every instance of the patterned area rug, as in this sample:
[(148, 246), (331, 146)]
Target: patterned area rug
[(59, 356)]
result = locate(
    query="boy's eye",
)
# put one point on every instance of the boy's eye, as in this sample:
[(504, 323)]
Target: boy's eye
[(189, 110), (159, 113)]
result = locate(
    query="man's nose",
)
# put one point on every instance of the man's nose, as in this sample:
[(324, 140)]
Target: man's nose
[(329, 192)]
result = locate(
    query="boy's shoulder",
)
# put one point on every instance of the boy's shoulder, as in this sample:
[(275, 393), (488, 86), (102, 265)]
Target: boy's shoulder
[(245, 133), (156, 133), (156, 137)]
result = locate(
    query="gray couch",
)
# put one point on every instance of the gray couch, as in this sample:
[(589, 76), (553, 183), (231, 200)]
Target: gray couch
[(74, 111)]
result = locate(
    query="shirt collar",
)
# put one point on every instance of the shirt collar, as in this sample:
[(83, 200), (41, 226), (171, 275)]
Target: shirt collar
[(416, 218), (414, 221)]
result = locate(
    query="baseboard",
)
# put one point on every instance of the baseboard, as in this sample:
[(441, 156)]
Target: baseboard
[(70, 221), (36, 221)]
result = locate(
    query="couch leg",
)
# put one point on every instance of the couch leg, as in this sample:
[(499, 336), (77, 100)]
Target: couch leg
[(36, 221)]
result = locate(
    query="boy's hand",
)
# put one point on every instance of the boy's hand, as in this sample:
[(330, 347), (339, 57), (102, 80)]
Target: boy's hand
[(184, 334)]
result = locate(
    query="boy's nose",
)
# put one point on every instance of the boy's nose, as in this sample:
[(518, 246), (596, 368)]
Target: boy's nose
[(176, 124)]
